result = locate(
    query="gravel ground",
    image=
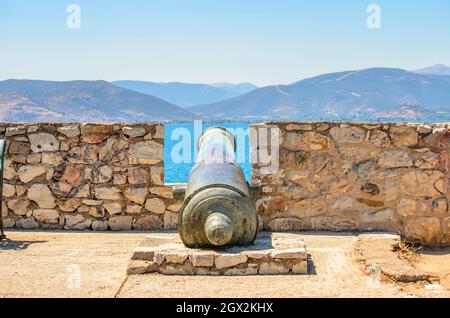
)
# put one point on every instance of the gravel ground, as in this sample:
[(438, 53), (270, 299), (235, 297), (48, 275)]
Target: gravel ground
[(88, 264)]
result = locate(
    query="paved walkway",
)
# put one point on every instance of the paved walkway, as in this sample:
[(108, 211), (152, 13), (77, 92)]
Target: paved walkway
[(88, 264)]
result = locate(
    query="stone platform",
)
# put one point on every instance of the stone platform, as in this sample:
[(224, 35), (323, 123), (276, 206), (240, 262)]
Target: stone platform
[(271, 254)]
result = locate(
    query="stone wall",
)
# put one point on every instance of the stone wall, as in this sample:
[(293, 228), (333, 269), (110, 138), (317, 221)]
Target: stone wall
[(84, 176), (358, 177)]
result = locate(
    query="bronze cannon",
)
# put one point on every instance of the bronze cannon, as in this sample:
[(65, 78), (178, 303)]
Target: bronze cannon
[(217, 209)]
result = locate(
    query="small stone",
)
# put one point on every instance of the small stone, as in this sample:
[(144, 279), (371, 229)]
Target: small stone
[(107, 193), (18, 148), (403, 136), (28, 173), (334, 223), (159, 258), (304, 127), (143, 253), (19, 206), (70, 205), (174, 208), (170, 220), (41, 194), (32, 129), (96, 212), (395, 158), (273, 268), (157, 175), (136, 195), (164, 192), (176, 257), (76, 222), (137, 175), (409, 207), (159, 132), (9, 173), (322, 127), (306, 141), (229, 260), (28, 223), (113, 208), (72, 175), (99, 225), (20, 190), (286, 224), (155, 205), (91, 202), (440, 207), (424, 129), (258, 255), (133, 131), (8, 190), (120, 223), (147, 153), (82, 192), (69, 131), (202, 259), (34, 158), (4, 213), (47, 216), (385, 215), (94, 134), (13, 131), (43, 142), (347, 134), (379, 138), (423, 183), (119, 179), (300, 268), (148, 222), (289, 253), (52, 159), (133, 209)]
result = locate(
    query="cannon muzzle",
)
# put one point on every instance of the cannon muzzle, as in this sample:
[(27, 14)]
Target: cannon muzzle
[(217, 209)]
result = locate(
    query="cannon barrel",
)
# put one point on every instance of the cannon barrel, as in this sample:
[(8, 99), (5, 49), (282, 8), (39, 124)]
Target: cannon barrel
[(217, 209)]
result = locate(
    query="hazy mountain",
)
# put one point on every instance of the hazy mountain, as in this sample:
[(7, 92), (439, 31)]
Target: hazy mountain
[(187, 94), (438, 69), (411, 112), (93, 101), (361, 93)]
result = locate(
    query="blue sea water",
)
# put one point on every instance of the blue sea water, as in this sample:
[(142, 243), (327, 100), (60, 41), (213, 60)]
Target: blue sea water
[(176, 135)]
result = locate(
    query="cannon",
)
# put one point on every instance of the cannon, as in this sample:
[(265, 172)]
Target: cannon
[(217, 208)]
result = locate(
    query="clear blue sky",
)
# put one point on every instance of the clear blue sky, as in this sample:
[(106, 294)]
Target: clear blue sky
[(259, 41)]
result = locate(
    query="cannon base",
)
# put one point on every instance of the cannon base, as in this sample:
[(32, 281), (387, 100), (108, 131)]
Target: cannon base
[(271, 254)]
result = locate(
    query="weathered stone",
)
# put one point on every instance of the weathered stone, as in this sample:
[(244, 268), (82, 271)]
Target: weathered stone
[(322, 127), (28, 173), (96, 212), (18, 148), (379, 138), (202, 259), (112, 150), (20, 190), (229, 260), (147, 152), (69, 205), (41, 194), (27, 223), (170, 220), (9, 173), (103, 174), (403, 136), (120, 223), (300, 268), (164, 192), (32, 129), (176, 257), (347, 134), (426, 159), (174, 208), (148, 222), (446, 230), (119, 179), (258, 254), (439, 139), (306, 141), (342, 203), (94, 134), (46, 215), (13, 131), (52, 159), (134, 209), (155, 205), (440, 207), (4, 212), (137, 175), (409, 207), (43, 142), (385, 215), (395, 158), (334, 223), (252, 270), (289, 253), (34, 158), (273, 268), (424, 129), (136, 195), (133, 131), (113, 208), (72, 175), (157, 175), (8, 190), (423, 183), (99, 225), (82, 191), (424, 229), (159, 132), (76, 222), (69, 131), (308, 207), (19, 206), (107, 193), (286, 224), (303, 127)]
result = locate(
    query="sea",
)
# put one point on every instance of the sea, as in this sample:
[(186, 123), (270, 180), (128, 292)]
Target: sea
[(180, 148)]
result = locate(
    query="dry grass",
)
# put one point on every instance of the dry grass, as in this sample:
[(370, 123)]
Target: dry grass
[(407, 250)]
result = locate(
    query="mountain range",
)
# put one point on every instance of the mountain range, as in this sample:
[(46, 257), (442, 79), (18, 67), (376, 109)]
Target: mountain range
[(364, 95), (188, 94)]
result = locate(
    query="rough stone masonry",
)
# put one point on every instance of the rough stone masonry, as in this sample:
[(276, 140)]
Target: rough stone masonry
[(343, 177), (86, 176)]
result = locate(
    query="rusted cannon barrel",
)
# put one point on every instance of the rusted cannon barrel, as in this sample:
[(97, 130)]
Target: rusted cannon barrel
[(217, 209)]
